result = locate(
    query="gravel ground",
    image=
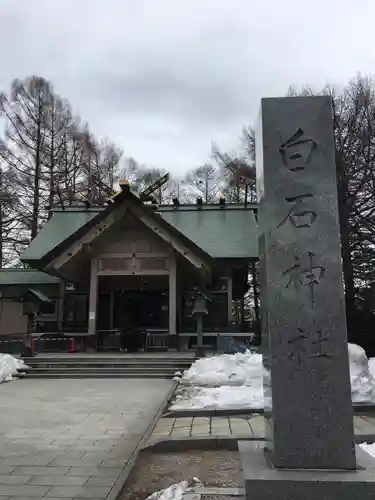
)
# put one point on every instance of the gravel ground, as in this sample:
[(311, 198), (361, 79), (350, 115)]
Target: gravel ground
[(154, 472)]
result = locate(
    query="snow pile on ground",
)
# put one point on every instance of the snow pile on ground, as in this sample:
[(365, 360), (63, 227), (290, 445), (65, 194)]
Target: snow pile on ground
[(9, 367), (176, 491), (236, 381), (362, 380), (224, 398), (226, 369), (371, 366), (368, 448)]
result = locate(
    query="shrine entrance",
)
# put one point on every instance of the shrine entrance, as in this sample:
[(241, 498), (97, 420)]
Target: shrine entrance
[(130, 308)]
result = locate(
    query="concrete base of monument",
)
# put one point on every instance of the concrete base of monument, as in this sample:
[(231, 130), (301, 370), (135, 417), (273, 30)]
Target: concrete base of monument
[(263, 482)]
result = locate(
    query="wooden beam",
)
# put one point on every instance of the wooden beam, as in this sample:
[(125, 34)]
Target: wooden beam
[(121, 272), (93, 295), (89, 237), (164, 235), (140, 255), (172, 296)]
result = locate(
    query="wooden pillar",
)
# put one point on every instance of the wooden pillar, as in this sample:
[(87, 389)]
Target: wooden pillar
[(93, 296), (179, 295), (60, 304), (172, 296), (111, 309), (230, 299)]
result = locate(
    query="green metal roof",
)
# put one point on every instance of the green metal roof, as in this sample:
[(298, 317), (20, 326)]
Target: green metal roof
[(221, 232), (62, 225), (228, 232), (22, 276)]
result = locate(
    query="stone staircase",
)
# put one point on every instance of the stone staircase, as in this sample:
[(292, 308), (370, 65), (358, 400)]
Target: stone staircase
[(150, 365)]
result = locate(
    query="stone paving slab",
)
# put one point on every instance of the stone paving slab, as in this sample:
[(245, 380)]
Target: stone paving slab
[(98, 492), (252, 426), (76, 437)]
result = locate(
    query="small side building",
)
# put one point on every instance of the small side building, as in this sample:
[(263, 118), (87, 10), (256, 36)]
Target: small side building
[(133, 263)]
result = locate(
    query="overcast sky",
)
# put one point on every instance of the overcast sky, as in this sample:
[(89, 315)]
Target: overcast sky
[(165, 78)]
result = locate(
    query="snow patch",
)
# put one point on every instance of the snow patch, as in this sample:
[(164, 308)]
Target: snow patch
[(362, 380), (227, 369), (236, 381), (224, 398), (175, 491), (368, 448), (9, 367)]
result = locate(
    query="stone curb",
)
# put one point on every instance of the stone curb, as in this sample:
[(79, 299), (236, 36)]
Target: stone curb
[(199, 493), (119, 486), (358, 409), (212, 490), (363, 408), (197, 443), (212, 413), (177, 445)]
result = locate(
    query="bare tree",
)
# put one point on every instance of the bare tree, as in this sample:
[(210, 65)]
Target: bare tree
[(100, 161), (203, 182), (238, 170), (25, 110), (141, 177), (50, 157), (354, 134), (9, 222)]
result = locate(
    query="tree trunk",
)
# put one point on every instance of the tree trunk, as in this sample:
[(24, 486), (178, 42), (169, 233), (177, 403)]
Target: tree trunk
[(345, 252), (348, 280), (37, 173), (51, 168)]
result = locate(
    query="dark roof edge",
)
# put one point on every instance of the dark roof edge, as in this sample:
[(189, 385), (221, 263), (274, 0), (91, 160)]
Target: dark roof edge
[(24, 270), (189, 207)]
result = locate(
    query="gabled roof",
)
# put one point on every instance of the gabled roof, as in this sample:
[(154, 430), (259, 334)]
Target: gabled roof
[(61, 226), (214, 231), (42, 255), (223, 232)]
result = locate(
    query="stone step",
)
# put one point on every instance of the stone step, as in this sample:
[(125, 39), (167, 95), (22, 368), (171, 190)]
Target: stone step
[(172, 369), (67, 374), (117, 366), (106, 363), (79, 369), (162, 357), (109, 368)]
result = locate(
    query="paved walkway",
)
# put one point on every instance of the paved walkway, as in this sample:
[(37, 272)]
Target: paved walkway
[(251, 426), (71, 438)]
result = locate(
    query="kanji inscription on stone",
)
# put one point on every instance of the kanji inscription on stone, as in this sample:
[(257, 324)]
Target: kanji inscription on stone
[(302, 296), (309, 345), (297, 151), (298, 215), (307, 275)]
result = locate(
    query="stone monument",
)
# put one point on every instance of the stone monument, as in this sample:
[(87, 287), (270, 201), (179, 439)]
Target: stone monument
[(310, 452)]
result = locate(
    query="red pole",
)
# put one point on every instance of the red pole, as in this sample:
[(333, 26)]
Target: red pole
[(72, 347)]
